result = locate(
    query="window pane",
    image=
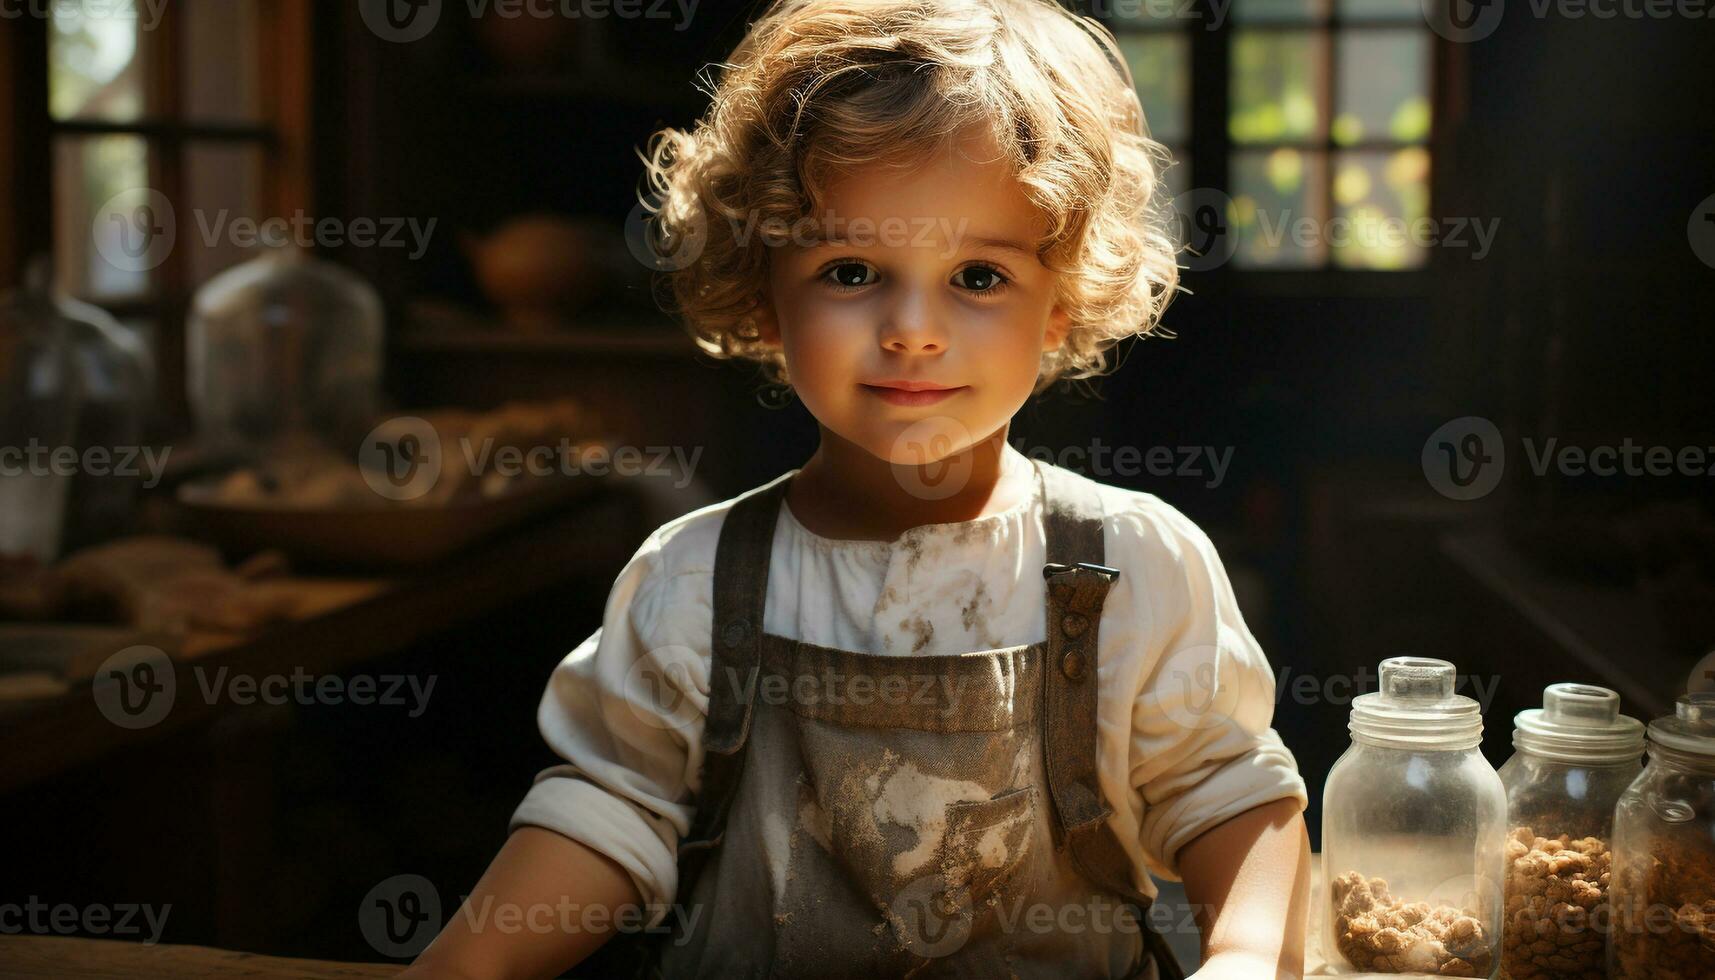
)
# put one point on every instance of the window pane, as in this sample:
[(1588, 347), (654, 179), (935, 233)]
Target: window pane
[(1385, 199), (1160, 67), (96, 63), (1384, 87), (219, 70), (222, 184), (1400, 10), (1278, 211), (108, 232), (1277, 81), (1278, 11)]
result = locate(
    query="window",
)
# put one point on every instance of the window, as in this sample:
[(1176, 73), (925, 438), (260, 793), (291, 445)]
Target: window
[(1322, 121), (162, 122)]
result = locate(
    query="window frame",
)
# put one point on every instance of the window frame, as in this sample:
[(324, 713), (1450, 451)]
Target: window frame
[(29, 134), (1212, 146)]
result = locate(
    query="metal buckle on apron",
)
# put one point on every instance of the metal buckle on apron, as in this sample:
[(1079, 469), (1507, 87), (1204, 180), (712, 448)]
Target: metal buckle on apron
[(1054, 568)]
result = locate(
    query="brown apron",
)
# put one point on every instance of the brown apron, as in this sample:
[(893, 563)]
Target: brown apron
[(880, 816)]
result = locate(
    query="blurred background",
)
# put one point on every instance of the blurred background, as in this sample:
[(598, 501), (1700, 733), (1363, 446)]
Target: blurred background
[(1440, 386)]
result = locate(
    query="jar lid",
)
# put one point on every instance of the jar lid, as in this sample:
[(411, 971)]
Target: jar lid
[(1579, 723), (1416, 706), (1692, 727)]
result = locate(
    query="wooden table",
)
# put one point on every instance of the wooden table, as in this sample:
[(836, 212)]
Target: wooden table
[(352, 621), (101, 959), (33, 956)]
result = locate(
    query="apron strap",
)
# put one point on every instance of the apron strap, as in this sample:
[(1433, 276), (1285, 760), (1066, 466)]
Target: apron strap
[(1078, 584), (735, 661)]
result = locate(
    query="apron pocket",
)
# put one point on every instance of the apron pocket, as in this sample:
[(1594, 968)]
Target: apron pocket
[(986, 845)]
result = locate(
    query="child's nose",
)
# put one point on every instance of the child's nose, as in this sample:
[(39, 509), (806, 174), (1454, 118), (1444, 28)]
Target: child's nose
[(909, 325)]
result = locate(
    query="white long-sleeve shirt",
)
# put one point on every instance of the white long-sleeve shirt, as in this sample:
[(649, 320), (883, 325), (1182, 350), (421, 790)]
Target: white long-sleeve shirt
[(1184, 711)]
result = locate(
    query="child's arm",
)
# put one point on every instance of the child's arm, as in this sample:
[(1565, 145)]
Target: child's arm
[(535, 875), (1249, 879)]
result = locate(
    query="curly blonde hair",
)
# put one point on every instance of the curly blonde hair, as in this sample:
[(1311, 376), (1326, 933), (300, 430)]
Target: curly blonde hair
[(818, 87)]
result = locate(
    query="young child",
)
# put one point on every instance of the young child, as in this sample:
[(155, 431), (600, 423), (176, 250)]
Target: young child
[(922, 706)]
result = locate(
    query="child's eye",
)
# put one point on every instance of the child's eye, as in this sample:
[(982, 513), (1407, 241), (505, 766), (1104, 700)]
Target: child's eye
[(981, 279), (848, 275)]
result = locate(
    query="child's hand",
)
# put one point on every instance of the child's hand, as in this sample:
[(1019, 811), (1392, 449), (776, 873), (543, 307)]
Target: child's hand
[(1241, 966)]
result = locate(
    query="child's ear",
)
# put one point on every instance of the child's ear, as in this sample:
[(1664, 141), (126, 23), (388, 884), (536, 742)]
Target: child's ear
[(1059, 324), (767, 324)]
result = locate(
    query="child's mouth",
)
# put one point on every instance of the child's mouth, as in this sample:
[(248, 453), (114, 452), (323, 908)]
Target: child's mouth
[(903, 396)]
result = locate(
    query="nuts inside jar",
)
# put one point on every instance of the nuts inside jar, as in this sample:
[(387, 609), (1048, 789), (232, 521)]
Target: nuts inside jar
[(1379, 933), (1665, 926), (1556, 897)]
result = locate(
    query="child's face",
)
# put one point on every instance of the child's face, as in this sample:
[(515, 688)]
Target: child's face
[(912, 285)]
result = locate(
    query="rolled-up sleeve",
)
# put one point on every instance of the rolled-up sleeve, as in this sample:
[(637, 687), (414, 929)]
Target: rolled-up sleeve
[(1202, 749), (625, 710)]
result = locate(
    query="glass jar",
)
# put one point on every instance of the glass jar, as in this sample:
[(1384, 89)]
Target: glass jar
[(1575, 756), (1663, 889), (78, 387), (284, 349), (1413, 828)]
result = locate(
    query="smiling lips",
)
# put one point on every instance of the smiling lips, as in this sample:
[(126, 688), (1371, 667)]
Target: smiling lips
[(912, 392)]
